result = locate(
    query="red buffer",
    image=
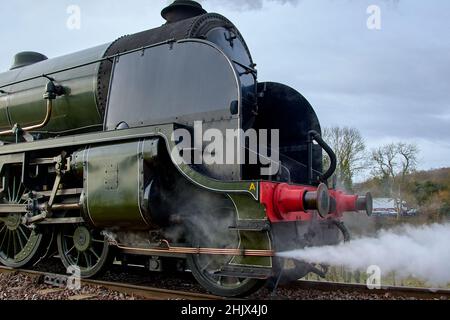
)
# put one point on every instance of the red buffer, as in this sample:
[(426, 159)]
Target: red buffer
[(286, 202), (341, 202)]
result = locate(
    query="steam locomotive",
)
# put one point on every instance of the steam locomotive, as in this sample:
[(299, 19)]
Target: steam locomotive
[(88, 170)]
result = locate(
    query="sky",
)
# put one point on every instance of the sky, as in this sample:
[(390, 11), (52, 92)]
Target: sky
[(391, 83)]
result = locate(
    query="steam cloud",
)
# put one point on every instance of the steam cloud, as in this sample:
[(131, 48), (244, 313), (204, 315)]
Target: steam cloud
[(422, 252), (247, 4), (259, 4)]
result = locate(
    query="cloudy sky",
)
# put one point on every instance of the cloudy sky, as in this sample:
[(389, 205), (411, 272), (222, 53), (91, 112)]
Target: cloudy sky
[(393, 84)]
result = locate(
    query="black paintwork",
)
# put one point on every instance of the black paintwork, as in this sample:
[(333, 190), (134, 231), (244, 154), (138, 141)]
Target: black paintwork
[(211, 26), (172, 83), (283, 108)]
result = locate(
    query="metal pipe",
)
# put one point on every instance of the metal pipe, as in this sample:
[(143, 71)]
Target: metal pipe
[(317, 137), (310, 159), (68, 206), (46, 120), (206, 251), (343, 228), (7, 132)]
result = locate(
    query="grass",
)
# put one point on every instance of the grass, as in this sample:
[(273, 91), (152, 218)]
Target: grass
[(342, 275)]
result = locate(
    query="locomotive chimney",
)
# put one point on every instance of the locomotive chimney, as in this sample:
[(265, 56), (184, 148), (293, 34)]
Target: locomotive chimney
[(23, 59), (181, 10)]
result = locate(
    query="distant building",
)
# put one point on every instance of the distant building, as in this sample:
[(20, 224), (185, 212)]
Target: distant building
[(387, 207), (384, 207)]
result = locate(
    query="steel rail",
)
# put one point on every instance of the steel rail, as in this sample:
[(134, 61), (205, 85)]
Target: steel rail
[(140, 292), (151, 293), (395, 291)]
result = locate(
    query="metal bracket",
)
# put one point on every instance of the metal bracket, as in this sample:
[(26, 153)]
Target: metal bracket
[(61, 167)]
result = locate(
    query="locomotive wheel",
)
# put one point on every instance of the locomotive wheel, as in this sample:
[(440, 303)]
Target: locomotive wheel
[(204, 272), (19, 245), (80, 246), (204, 268)]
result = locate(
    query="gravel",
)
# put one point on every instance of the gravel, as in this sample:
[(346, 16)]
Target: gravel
[(302, 294), (19, 286)]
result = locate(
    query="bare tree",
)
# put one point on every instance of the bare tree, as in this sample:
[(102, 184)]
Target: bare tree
[(393, 162), (349, 146)]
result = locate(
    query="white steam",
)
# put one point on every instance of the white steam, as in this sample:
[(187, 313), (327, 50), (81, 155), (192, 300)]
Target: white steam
[(246, 4), (243, 5), (422, 252)]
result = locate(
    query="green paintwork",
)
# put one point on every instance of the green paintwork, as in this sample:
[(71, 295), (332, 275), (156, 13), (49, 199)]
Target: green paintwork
[(4, 122), (114, 182), (76, 109), (119, 207), (250, 187), (164, 131), (249, 209)]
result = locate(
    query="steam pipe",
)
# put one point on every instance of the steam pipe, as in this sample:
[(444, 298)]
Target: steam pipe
[(66, 206), (46, 120), (51, 92), (48, 115), (314, 135), (343, 228), (196, 251)]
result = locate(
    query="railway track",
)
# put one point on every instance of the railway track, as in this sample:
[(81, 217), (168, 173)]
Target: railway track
[(387, 292), (302, 289), (140, 292)]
